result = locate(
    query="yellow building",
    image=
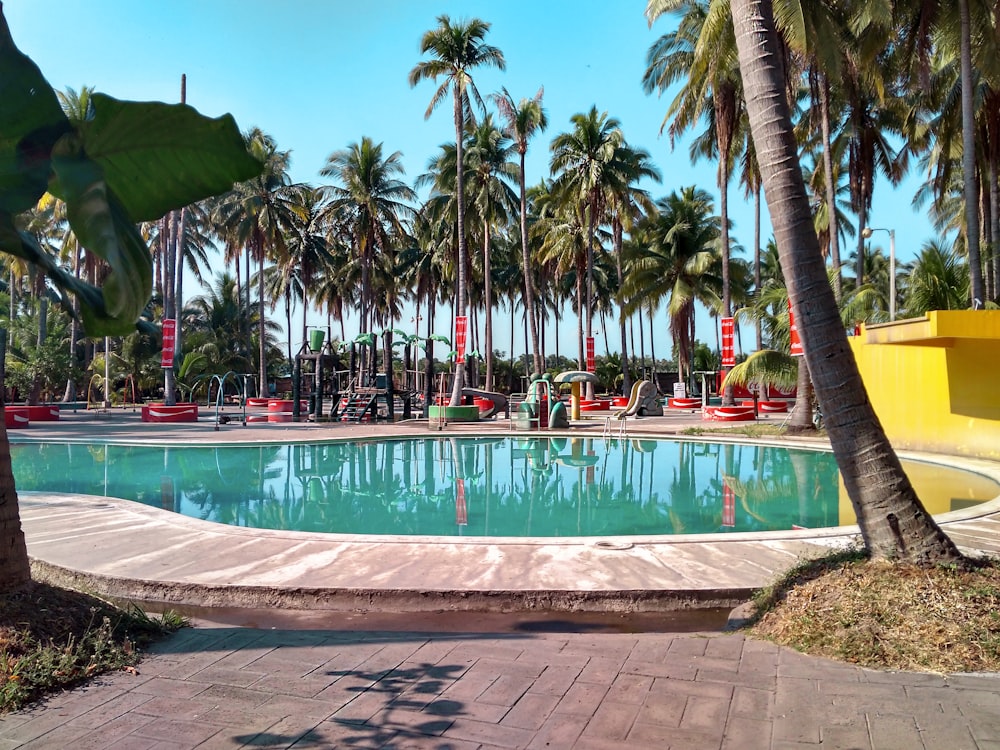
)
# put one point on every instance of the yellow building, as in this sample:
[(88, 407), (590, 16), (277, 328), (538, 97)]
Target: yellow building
[(935, 381)]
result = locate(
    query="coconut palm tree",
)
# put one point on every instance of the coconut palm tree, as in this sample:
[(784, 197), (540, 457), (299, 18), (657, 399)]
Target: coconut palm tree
[(584, 168), (893, 522), (258, 215), (371, 203), (521, 122), (492, 198), (672, 257), (937, 280), (456, 50)]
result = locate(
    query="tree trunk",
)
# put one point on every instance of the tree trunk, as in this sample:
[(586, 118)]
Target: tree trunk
[(591, 229), (756, 260), (488, 290), (261, 344), (179, 286), (831, 184), (529, 287), (461, 292), (626, 377), (893, 522), (969, 158), (801, 419), (727, 305), (14, 570)]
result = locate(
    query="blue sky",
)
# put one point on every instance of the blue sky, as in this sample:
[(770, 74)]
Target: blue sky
[(319, 74)]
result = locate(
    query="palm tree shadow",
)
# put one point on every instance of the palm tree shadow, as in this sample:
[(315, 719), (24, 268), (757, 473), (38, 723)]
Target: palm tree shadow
[(411, 708)]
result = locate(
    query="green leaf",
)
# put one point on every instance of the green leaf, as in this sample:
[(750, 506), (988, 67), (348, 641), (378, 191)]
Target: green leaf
[(102, 225), (157, 157), (96, 319), (31, 121)]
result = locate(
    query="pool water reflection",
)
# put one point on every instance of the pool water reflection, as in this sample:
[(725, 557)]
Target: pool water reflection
[(506, 487)]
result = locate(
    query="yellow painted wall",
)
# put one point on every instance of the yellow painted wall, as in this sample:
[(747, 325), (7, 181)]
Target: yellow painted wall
[(935, 382)]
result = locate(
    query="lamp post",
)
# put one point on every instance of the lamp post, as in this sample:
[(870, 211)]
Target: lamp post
[(866, 233)]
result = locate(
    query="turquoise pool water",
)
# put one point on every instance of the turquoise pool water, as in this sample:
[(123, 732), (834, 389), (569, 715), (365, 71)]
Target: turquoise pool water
[(506, 487)]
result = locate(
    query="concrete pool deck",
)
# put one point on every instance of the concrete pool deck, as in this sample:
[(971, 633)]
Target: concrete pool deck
[(133, 551)]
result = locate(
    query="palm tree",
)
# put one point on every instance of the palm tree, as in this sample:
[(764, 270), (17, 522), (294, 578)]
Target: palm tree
[(493, 199), (626, 203), (456, 50), (371, 204), (937, 280), (258, 214), (672, 258), (893, 523), (583, 164), (521, 122)]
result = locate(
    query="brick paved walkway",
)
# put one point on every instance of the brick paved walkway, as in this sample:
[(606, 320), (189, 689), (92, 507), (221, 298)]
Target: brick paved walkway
[(231, 688)]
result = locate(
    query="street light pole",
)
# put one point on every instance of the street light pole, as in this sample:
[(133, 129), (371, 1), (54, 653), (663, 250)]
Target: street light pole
[(866, 233)]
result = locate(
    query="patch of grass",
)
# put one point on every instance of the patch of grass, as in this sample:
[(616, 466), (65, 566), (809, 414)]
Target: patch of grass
[(749, 429), (52, 638), (887, 615)]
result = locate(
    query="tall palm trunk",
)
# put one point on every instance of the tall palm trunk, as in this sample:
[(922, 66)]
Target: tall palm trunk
[(261, 319), (893, 522), (727, 305), (756, 259), (971, 190), (529, 286), (461, 292), (488, 291), (626, 376), (831, 183), (13, 552), (591, 230), (179, 283)]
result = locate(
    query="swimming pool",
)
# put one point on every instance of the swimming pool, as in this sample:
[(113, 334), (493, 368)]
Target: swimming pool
[(500, 487)]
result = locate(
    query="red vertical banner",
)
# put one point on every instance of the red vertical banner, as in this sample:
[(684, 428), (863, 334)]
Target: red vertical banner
[(728, 506), (793, 333), (728, 354), (461, 512), (461, 327), (169, 332), (591, 361)]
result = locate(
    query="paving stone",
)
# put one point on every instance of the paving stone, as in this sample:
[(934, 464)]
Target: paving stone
[(111, 731), (582, 698), (650, 735), (111, 709), (850, 735), (506, 690), (630, 688), (893, 731), (133, 742), (555, 680), (173, 687), (489, 733), (662, 709), (170, 730), (173, 708), (531, 711), (611, 721), (725, 647), (559, 732), (690, 646), (751, 703), (704, 714), (747, 734), (409, 722), (601, 670)]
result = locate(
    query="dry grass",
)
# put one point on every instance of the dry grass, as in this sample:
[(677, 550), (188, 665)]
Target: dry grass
[(52, 638), (887, 615)]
